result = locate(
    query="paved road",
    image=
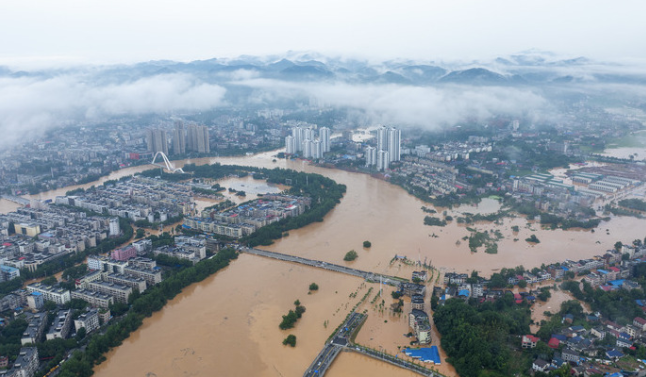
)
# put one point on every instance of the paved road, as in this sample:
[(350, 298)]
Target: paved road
[(323, 360), (390, 280), (340, 340)]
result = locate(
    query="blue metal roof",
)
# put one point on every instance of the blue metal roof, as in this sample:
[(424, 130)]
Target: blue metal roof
[(427, 354)]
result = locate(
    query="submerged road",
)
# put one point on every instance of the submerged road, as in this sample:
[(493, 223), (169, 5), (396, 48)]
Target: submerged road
[(369, 276)]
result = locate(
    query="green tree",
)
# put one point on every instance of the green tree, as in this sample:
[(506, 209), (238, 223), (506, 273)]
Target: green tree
[(435, 302), (314, 287), (288, 320), (497, 281), (290, 340), (522, 284), (49, 305), (350, 256), (50, 281), (80, 334), (618, 246), (367, 244)]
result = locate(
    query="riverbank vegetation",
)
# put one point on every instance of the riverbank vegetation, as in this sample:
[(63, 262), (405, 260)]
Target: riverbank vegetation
[(480, 340), (636, 204)]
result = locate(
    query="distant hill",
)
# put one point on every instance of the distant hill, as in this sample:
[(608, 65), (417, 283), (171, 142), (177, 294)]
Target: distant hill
[(475, 76), (532, 67)]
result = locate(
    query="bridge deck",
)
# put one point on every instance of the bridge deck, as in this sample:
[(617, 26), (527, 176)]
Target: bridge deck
[(390, 280)]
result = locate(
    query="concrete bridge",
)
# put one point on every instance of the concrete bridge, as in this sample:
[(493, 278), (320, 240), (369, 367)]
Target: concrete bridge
[(369, 276), (16, 199)]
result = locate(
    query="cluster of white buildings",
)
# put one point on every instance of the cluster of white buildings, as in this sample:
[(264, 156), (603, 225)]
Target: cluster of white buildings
[(32, 236), (388, 148), (139, 198), (247, 218), (189, 248), (303, 141), (192, 138)]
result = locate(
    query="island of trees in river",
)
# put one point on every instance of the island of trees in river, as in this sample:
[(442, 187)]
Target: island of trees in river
[(324, 192)]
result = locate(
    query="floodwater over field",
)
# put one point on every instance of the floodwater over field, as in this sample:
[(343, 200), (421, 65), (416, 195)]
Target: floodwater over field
[(638, 153), (227, 325), (552, 305)]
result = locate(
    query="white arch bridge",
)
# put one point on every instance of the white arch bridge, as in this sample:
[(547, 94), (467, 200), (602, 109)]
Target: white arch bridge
[(167, 164)]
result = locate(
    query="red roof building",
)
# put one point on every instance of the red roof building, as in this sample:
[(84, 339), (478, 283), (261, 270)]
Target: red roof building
[(554, 343), (529, 341)]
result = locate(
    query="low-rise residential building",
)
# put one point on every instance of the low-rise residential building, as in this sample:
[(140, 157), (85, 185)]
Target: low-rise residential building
[(529, 341), (123, 254), (121, 293), (104, 315), (10, 302), (419, 322), (8, 273), (598, 332), (477, 290), (35, 301), (59, 295), (93, 275), (570, 355), (151, 276), (421, 276), (26, 364), (96, 299), (540, 365), (417, 302), (136, 283), (640, 323), (61, 326), (410, 289), (88, 320), (624, 340), (34, 330)]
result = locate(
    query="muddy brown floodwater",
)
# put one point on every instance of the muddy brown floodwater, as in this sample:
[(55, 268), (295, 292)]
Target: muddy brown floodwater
[(227, 325)]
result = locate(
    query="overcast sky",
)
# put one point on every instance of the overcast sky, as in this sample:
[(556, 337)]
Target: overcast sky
[(139, 30)]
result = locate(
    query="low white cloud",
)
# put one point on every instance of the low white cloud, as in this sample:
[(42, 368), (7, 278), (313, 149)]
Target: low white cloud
[(30, 106), (240, 74), (429, 107)]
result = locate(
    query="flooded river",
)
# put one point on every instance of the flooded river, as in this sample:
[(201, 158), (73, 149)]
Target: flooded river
[(227, 325)]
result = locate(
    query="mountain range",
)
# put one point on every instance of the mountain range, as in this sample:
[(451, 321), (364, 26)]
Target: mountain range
[(527, 68)]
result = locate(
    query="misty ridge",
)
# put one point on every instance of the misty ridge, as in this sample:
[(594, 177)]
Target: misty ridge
[(533, 85)]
